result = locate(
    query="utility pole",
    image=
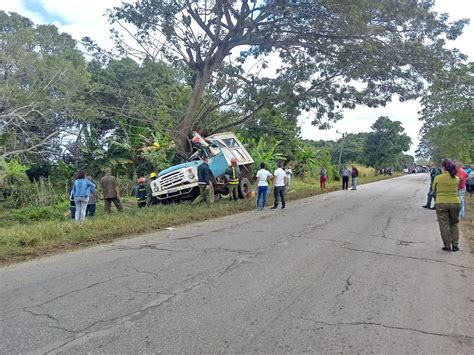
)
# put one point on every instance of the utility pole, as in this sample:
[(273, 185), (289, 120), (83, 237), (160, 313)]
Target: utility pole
[(340, 152)]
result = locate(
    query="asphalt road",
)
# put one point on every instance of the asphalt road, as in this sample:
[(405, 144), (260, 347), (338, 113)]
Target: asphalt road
[(350, 271)]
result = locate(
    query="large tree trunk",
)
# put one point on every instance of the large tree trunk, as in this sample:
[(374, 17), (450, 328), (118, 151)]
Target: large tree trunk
[(181, 136)]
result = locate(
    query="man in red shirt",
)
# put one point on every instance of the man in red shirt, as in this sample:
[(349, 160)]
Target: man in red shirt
[(462, 175)]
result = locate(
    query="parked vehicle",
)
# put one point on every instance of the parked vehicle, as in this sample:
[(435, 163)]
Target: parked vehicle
[(179, 182)]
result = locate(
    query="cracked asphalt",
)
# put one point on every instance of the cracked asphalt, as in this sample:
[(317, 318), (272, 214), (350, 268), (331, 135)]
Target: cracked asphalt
[(348, 272)]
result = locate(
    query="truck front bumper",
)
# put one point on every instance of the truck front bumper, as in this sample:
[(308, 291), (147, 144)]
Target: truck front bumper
[(175, 192)]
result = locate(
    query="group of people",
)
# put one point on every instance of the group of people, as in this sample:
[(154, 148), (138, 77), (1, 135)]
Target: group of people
[(83, 195), (448, 189), (281, 180), (281, 183), (346, 173)]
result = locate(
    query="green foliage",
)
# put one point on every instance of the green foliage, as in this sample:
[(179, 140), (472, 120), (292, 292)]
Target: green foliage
[(36, 193), (392, 47), (16, 173), (43, 79), (265, 150), (386, 143), (447, 115)]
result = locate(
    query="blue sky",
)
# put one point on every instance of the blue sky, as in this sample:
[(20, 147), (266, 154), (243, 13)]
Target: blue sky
[(37, 7)]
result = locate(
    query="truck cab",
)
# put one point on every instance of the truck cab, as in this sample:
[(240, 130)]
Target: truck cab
[(180, 182)]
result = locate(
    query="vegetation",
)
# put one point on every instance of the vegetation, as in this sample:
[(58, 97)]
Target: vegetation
[(447, 115), (201, 66), (390, 47)]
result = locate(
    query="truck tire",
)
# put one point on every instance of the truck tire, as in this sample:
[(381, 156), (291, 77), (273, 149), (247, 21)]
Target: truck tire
[(244, 187)]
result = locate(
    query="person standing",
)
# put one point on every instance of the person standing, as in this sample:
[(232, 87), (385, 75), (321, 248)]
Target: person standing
[(141, 193), (233, 172), (323, 177), (462, 175), (434, 172), (289, 175), (204, 182), (82, 190), (279, 183), (468, 169), (72, 203), (345, 178), (262, 186), (355, 175), (110, 189), (91, 204), (447, 205), (150, 199)]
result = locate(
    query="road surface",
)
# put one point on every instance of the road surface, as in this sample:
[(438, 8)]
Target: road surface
[(350, 271)]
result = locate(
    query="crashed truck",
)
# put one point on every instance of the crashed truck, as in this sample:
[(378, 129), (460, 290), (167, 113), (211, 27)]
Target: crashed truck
[(180, 182)]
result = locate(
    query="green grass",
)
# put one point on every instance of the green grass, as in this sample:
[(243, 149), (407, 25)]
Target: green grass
[(32, 232)]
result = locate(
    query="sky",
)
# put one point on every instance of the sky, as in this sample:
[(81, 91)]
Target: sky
[(85, 18)]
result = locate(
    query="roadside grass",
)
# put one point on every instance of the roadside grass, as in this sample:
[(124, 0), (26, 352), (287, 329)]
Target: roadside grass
[(467, 224), (23, 238)]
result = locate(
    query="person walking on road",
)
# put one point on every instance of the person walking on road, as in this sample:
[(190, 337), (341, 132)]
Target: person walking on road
[(462, 175), (323, 177), (355, 175), (81, 191), (262, 186), (204, 182), (279, 183), (345, 178), (110, 189), (434, 172), (233, 172), (447, 206)]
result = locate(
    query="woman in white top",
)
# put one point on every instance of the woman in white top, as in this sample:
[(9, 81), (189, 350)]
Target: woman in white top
[(262, 182)]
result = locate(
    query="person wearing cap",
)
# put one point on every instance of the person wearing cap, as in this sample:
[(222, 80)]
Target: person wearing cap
[(233, 172), (141, 193), (150, 199)]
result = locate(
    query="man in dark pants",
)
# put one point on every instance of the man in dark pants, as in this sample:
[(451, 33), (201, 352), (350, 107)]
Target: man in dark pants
[(345, 178), (279, 183), (433, 173), (204, 182), (110, 190), (233, 172)]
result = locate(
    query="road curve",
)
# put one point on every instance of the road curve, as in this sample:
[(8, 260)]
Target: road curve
[(350, 271)]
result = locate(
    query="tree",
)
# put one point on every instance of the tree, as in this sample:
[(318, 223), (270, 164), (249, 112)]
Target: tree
[(318, 48), (43, 77), (447, 115), (386, 143)]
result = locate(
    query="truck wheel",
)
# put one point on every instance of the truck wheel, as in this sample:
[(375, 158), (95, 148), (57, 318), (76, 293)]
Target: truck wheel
[(244, 187)]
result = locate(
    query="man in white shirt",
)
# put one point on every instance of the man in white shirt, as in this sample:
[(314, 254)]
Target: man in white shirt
[(279, 182)]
